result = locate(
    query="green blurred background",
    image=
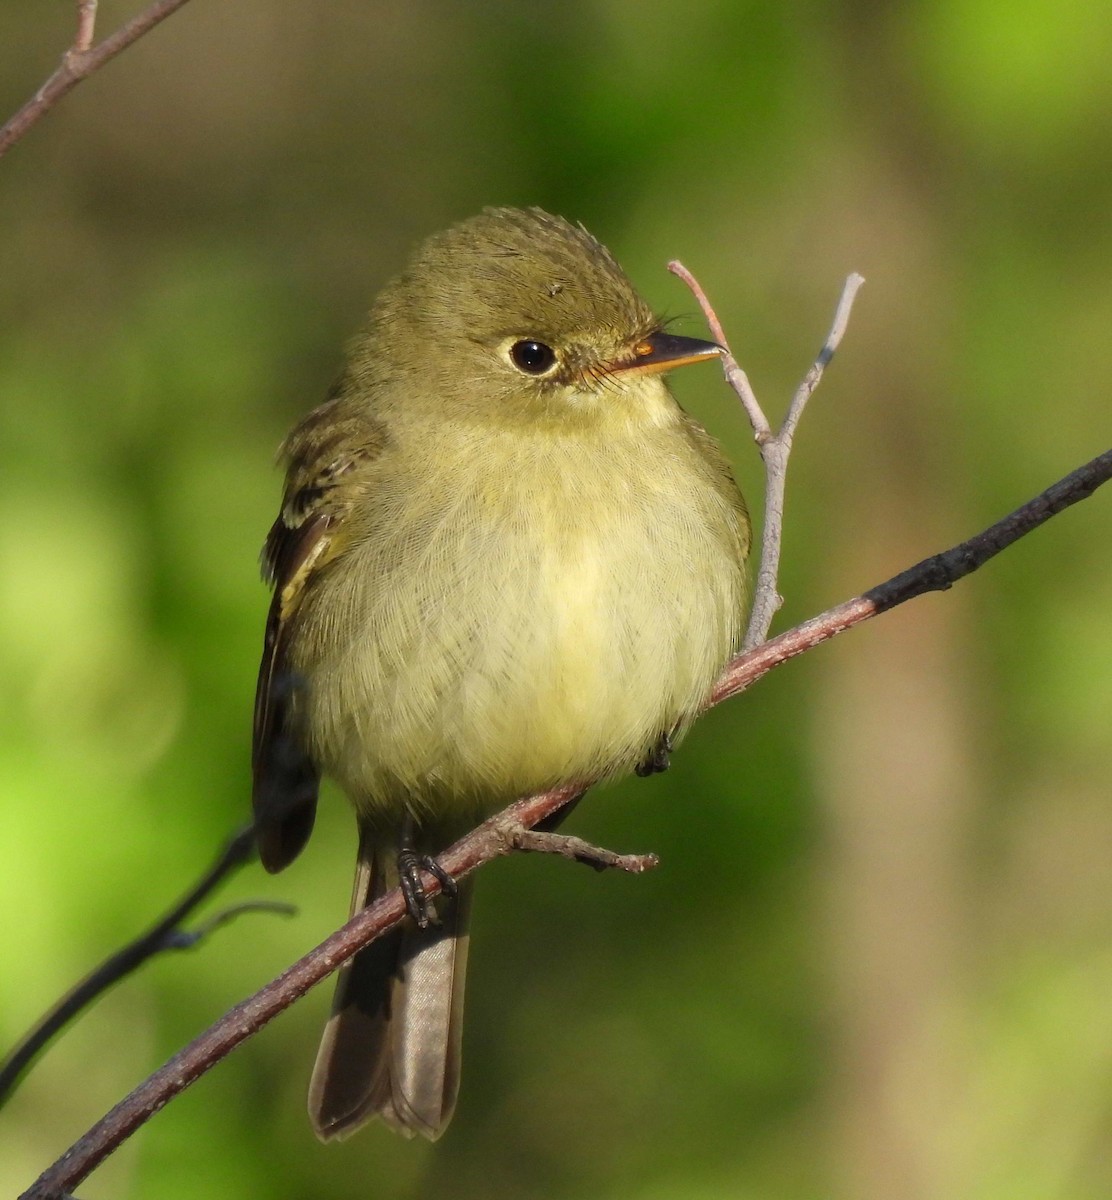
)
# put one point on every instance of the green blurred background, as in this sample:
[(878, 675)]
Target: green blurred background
[(876, 962)]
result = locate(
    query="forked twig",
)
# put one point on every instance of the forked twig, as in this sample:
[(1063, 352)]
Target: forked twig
[(776, 447)]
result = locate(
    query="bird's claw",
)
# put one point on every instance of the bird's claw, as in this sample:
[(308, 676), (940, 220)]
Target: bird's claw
[(418, 903)]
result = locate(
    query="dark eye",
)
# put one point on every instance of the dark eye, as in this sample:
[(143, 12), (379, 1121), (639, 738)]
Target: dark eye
[(534, 358)]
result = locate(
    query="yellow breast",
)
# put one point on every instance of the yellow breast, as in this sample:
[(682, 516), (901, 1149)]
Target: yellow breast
[(547, 621)]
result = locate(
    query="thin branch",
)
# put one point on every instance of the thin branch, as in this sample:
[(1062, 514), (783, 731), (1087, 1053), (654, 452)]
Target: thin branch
[(499, 835), (186, 939), (813, 377), (735, 376), (165, 934), (81, 60), (775, 448), (578, 850), (775, 452), (86, 25)]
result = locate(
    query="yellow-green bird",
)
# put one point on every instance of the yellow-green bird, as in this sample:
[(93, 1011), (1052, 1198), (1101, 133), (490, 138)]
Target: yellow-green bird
[(506, 559)]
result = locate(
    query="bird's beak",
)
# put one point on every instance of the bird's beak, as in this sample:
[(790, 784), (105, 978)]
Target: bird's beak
[(663, 351)]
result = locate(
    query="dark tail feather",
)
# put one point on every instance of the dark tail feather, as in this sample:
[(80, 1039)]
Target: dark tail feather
[(391, 1048)]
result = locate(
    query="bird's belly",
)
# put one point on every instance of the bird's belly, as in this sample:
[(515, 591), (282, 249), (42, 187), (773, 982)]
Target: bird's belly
[(544, 661), (578, 688), (536, 626)]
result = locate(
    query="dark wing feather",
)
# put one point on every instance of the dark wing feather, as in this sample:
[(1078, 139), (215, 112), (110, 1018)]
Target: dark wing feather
[(285, 778), (324, 448)]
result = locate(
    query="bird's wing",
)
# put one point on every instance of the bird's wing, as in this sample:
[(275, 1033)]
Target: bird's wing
[(323, 454)]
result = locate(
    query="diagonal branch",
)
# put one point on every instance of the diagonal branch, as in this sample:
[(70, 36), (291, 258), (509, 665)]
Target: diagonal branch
[(81, 60), (500, 833), (935, 574)]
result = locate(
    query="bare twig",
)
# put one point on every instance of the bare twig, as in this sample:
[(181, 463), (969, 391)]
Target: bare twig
[(165, 934), (81, 60), (501, 833), (735, 376), (775, 448), (186, 939), (775, 452), (578, 850), (86, 25)]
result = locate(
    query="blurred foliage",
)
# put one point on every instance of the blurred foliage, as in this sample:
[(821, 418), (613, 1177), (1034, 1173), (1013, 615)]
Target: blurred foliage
[(876, 959)]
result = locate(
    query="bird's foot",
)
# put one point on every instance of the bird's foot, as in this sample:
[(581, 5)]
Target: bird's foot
[(418, 903), (659, 758)]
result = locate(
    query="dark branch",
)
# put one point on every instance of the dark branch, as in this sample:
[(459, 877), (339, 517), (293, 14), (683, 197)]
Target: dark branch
[(166, 934), (492, 839), (501, 833), (934, 574)]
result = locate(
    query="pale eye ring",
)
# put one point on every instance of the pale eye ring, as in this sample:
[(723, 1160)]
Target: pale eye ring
[(532, 357)]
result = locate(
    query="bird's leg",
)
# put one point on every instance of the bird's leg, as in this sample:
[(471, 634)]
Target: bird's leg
[(411, 863), (659, 758)]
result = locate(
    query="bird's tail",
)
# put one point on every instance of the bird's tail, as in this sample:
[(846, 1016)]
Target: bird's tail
[(391, 1048)]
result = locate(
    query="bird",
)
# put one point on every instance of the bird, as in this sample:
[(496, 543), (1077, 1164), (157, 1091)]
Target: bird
[(506, 559)]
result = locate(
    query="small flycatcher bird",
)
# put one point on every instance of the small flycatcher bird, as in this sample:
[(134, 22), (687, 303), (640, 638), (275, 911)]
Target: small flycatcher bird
[(506, 559)]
